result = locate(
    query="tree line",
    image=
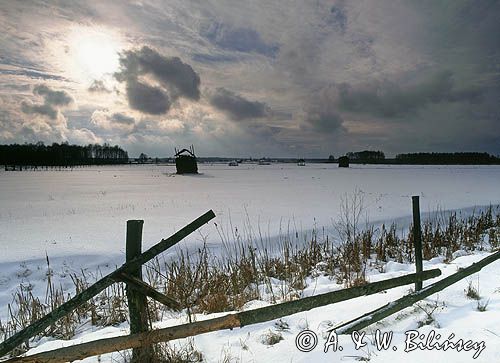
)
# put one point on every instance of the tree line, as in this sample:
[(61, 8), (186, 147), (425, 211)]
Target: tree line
[(63, 154), (366, 156), (430, 158), (472, 158)]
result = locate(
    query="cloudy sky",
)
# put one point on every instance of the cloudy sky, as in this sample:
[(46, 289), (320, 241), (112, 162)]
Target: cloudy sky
[(254, 78)]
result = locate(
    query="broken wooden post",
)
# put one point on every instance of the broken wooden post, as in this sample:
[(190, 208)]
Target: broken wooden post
[(417, 239), (149, 291), (137, 303), (38, 326)]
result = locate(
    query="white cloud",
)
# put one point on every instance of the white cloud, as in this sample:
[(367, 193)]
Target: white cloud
[(278, 53)]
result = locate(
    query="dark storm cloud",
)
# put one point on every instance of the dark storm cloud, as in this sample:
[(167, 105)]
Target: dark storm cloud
[(172, 72), (468, 26), (44, 110), (321, 114), (52, 97), (363, 44), (107, 122), (239, 39), (338, 18), (120, 118), (390, 99), (236, 106), (98, 86), (211, 58), (325, 121), (147, 99), (339, 67), (177, 77)]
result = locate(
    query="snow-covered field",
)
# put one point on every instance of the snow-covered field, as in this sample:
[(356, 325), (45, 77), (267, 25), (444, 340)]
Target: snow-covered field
[(84, 211), (78, 219), (455, 314)]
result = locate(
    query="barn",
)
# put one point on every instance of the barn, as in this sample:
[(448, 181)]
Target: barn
[(185, 161), (343, 162)]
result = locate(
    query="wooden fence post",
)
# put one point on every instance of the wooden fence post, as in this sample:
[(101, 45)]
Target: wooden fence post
[(38, 326), (417, 239), (137, 303)]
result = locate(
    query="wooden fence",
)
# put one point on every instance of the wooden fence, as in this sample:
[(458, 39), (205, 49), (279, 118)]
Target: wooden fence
[(230, 321), (120, 274), (141, 337)]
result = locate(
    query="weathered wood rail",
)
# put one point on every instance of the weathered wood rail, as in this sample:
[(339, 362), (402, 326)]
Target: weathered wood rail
[(141, 338), (230, 321), (408, 300), (116, 276)]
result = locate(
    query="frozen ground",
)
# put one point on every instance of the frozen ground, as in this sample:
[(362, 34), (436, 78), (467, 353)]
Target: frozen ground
[(455, 314), (84, 211), (78, 219)]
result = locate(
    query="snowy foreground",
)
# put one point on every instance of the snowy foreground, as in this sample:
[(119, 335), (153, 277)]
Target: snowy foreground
[(78, 219), (456, 317)]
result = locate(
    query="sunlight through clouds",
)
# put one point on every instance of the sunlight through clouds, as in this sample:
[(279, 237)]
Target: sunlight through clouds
[(281, 75), (92, 53)]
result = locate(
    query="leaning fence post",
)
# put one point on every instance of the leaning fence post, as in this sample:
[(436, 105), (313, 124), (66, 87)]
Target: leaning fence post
[(137, 303), (417, 239), (38, 326)]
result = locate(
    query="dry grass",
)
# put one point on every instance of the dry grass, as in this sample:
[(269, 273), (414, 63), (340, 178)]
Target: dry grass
[(271, 338), (482, 306), (207, 283), (167, 353), (472, 292)]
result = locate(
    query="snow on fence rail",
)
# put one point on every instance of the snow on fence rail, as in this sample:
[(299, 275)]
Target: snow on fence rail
[(137, 290), (230, 321), (141, 337), (408, 300)]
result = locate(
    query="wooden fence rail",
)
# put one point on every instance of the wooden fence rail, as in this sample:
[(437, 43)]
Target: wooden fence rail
[(408, 300), (79, 299), (140, 340)]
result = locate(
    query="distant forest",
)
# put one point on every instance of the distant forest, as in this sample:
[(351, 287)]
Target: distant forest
[(39, 154), (458, 158), (366, 156), (63, 154), (471, 158)]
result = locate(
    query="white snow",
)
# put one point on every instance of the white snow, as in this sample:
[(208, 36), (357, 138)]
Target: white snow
[(457, 316), (84, 211), (78, 219)]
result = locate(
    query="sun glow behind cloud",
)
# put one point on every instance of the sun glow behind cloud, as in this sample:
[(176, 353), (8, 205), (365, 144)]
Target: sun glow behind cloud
[(317, 77), (92, 53)]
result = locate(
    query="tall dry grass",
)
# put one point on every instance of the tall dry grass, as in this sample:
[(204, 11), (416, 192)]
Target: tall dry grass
[(248, 269)]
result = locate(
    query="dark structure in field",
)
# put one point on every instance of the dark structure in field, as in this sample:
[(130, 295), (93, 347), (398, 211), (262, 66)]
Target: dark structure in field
[(185, 161), (343, 162)]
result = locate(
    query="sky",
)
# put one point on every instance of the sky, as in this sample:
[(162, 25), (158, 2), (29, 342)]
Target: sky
[(257, 78)]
